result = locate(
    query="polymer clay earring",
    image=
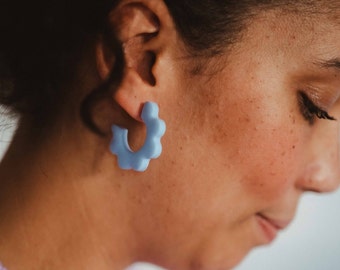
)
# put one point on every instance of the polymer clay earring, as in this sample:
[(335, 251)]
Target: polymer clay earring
[(152, 148)]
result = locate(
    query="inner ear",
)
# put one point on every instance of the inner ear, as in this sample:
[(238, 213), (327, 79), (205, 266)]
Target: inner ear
[(136, 26), (144, 69), (140, 60)]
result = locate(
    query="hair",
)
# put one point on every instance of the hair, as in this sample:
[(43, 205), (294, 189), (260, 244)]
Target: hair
[(43, 41)]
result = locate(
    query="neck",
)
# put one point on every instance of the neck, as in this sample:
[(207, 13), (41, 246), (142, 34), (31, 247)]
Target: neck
[(58, 208)]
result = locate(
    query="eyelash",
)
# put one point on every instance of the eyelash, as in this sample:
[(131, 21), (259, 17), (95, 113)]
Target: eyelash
[(309, 110)]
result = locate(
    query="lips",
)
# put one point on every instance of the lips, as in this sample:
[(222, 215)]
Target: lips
[(270, 227)]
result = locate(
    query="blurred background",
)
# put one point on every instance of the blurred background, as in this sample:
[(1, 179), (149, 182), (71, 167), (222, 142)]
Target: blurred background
[(312, 242)]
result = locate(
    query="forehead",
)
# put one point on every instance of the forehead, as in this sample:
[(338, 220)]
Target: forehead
[(302, 35)]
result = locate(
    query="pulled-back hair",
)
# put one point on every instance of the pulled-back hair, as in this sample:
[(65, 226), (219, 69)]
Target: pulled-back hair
[(43, 41)]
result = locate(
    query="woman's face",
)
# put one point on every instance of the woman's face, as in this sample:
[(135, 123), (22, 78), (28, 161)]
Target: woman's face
[(243, 141)]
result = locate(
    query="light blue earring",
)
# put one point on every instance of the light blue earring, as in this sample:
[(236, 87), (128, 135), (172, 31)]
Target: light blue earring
[(152, 148)]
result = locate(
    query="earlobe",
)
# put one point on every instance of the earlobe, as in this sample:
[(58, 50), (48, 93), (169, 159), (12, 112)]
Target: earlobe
[(132, 94)]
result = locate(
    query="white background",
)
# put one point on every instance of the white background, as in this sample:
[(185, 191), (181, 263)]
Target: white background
[(312, 242)]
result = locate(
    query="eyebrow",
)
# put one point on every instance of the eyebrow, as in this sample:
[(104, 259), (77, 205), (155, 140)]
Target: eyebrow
[(333, 64)]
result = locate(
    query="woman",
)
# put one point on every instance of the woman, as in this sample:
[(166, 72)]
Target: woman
[(248, 91)]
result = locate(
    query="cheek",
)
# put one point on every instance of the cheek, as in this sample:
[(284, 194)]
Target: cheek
[(269, 168), (261, 146)]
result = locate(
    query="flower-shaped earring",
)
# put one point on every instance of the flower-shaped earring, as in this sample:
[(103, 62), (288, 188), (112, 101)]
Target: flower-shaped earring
[(152, 148)]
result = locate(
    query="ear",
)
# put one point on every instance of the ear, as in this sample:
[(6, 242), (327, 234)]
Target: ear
[(138, 26)]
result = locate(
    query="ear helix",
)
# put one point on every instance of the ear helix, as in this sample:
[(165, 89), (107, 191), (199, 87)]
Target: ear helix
[(152, 148)]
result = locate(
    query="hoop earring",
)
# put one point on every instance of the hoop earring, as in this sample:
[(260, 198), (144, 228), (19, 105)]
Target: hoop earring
[(152, 148)]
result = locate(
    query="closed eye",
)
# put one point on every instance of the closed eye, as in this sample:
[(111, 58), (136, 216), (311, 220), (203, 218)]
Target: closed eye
[(309, 110)]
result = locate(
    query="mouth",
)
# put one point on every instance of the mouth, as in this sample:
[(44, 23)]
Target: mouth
[(270, 227)]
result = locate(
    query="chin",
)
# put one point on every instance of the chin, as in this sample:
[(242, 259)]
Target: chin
[(222, 262), (211, 261), (224, 265)]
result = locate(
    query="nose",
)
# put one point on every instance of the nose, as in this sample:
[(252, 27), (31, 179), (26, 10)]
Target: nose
[(322, 171), (319, 177)]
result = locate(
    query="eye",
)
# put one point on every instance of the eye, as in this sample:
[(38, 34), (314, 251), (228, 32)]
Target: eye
[(309, 110)]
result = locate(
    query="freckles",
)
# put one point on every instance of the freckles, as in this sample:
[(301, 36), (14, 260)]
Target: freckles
[(292, 118), (274, 163)]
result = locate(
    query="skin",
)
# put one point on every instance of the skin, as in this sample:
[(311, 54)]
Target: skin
[(236, 145)]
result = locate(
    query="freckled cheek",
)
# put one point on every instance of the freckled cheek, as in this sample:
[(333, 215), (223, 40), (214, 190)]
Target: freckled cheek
[(263, 142), (272, 164)]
